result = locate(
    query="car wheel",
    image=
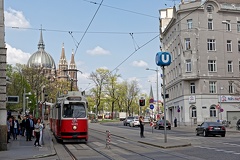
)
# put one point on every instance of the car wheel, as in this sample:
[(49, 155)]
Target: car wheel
[(223, 135), (205, 133)]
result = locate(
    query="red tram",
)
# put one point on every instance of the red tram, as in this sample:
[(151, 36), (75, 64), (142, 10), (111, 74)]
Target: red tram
[(69, 118)]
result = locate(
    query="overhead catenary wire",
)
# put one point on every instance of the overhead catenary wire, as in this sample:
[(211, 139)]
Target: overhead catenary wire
[(78, 43), (157, 36), (121, 9)]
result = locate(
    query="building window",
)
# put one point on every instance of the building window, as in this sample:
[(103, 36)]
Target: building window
[(211, 45), (187, 44), (228, 25), (229, 46), (210, 24), (230, 66), (188, 65), (189, 24), (210, 8), (238, 46), (238, 26), (194, 112), (212, 87), (192, 88), (213, 112), (212, 66), (230, 87)]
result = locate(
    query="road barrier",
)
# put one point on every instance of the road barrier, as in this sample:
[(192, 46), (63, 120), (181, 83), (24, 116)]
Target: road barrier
[(108, 139)]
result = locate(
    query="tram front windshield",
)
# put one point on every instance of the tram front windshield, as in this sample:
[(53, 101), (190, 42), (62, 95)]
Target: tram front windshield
[(74, 110)]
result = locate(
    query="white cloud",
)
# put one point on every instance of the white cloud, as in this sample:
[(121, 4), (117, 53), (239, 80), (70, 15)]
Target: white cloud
[(98, 51), (15, 18), (16, 55), (139, 64)]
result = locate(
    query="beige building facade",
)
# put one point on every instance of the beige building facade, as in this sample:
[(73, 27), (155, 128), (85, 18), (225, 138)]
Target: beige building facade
[(203, 37)]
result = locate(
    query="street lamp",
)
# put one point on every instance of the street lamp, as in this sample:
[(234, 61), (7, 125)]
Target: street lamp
[(220, 103), (156, 70), (24, 98)]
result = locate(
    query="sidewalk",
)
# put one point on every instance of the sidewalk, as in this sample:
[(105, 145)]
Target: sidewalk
[(21, 149)]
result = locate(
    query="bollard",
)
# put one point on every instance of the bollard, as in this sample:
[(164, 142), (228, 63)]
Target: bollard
[(108, 139)]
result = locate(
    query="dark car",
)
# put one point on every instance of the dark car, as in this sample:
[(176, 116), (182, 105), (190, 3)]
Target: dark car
[(127, 120), (238, 125), (160, 124), (211, 128)]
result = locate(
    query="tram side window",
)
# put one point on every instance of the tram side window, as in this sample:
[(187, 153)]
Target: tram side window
[(67, 111)]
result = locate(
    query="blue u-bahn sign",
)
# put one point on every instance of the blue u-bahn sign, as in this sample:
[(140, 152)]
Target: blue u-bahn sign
[(163, 59)]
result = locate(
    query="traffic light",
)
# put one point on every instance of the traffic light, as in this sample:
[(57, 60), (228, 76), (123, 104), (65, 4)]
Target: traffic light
[(142, 102)]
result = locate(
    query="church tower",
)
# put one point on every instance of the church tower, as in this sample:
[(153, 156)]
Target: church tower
[(63, 66), (73, 70)]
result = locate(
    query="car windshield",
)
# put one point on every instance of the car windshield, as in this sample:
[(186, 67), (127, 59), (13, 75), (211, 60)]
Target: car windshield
[(74, 110), (130, 118)]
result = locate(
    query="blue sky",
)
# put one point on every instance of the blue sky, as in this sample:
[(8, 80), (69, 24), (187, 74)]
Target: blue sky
[(119, 28)]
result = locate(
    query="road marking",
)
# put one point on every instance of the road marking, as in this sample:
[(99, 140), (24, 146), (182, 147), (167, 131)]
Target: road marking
[(231, 144), (98, 144), (122, 141), (218, 150)]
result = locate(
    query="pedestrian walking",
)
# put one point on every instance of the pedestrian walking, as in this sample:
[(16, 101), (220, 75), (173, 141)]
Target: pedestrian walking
[(141, 127), (175, 122), (37, 128), (41, 133), (23, 126), (9, 121), (15, 128)]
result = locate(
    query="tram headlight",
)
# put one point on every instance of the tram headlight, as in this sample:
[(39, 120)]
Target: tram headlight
[(74, 127)]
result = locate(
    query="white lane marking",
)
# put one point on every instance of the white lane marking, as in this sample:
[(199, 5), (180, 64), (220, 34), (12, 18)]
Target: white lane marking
[(98, 144), (231, 144), (218, 150), (122, 141)]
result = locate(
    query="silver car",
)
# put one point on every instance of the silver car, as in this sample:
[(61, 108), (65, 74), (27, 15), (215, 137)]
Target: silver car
[(134, 122), (128, 120)]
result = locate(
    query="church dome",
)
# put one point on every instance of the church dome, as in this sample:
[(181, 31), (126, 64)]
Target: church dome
[(41, 58)]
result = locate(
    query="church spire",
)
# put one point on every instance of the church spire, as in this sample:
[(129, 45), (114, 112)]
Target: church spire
[(72, 62), (41, 45)]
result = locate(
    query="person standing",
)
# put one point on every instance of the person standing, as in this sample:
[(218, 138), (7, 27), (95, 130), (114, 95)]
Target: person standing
[(15, 128), (175, 122), (141, 127), (41, 133), (37, 128), (9, 121), (29, 128), (23, 126)]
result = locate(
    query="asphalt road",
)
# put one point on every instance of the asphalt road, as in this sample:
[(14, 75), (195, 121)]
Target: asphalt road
[(209, 148)]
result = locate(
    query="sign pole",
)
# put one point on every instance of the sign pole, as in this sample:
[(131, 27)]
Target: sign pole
[(164, 104)]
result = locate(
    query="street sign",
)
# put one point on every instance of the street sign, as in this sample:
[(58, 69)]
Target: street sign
[(163, 59), (151, 100), (12, 99), (151, 106)]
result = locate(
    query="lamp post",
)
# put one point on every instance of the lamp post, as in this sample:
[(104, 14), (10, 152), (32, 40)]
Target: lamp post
[(156, 70), (24, 98), (220, 103)]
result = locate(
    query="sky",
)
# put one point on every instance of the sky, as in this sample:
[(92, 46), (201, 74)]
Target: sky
[(119, 35)]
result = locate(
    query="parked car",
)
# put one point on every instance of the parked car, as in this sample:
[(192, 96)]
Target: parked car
[(238, 125), (160, 124), (146, 120), (211, 128), (134, 122), (128, 120)]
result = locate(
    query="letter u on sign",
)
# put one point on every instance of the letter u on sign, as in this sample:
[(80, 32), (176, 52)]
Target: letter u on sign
[(163, 59)]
